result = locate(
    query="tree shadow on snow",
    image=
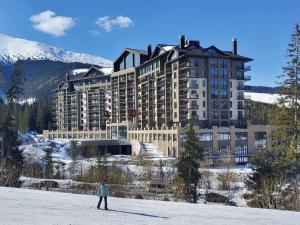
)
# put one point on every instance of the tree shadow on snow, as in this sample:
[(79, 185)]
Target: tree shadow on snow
[(139, 214)]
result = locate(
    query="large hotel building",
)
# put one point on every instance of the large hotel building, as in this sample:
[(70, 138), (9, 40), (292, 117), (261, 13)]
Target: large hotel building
[(151, 96)]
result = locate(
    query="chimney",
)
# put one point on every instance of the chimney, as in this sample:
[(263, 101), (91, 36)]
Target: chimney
[(234, 46), (182, 41), (149, 50)]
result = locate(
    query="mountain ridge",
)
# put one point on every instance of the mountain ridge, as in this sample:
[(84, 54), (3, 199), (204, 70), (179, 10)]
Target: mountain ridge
[(13, 49)]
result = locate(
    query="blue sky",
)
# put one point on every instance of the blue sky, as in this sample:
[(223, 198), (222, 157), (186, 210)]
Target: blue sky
[(104, 28)]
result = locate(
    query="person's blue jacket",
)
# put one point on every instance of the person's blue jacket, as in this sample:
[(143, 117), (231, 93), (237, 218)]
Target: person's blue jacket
[(102, 190)]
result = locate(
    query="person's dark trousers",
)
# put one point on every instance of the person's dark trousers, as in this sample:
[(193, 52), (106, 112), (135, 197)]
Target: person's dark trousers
[(105, 202)]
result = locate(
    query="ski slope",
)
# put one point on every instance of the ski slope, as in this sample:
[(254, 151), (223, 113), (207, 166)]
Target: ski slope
[(24, 207)]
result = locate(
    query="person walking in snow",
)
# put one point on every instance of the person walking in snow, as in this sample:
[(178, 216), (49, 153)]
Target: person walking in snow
[(102, 193)]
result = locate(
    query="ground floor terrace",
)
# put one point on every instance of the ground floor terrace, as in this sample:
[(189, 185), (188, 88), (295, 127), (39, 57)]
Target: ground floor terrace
[(220, 144)]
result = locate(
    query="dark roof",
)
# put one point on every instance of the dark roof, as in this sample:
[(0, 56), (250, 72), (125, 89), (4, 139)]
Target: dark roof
[(81, 76), (136, 51), (131, 50)]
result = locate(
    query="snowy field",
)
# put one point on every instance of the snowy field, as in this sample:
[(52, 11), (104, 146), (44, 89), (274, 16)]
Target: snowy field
[(24, 207)]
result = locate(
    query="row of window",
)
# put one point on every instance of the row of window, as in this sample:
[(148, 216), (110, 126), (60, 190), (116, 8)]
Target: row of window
[(150, 67)]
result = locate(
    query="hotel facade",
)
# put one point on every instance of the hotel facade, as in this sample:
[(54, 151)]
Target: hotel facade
[(151, 96)]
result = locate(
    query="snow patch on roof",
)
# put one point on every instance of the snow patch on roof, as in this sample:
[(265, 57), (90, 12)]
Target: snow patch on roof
[(167, 47), (78, 71)]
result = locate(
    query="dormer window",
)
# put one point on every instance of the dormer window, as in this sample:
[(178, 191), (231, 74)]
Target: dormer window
[(212, 52)]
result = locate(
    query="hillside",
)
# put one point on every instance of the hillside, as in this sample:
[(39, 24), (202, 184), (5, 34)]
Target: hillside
[(44, 66), (21, 206)]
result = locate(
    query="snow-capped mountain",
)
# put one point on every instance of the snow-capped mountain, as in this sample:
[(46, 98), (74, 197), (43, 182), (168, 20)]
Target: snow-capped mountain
[(13, 49)]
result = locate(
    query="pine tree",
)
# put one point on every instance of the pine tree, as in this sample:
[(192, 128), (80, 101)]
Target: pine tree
[(189, 161), (290, 84), (74, 156), (48, 171), (278, 167), (16, 90), (11, 158)]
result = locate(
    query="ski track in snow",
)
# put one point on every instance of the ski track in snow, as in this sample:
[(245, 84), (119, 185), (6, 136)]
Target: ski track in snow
[(24, 207)]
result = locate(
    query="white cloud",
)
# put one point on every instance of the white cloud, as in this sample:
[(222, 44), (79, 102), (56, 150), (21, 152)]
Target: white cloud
[(108, 23), (49, 23)]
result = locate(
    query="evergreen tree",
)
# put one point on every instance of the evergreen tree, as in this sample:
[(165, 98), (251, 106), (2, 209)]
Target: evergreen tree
[(189, 161), (275, 181), (290, 83), (16, 90), (48, 171), (74, 156), (11, 159)]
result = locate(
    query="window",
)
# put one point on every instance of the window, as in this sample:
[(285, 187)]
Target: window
[(157, 64), (175, 105), (174, 137), (224, 104), (223, 94), (203, 103), (223, 136), (241, 150), (223, 74), (239, 75), (214, 73), (205, 136), (238, 65), (224, 150), (224, 115), (224, 63), (214, 84), (193, 73), (194, 84), (214, 93), (203, 83), (203, 93), (260, 140), (193, 62), (224, 84), (216, 115), (213, 63), (241, 136), (204, 114), (212, 52), (174, 75), (215, 104), (208, 150)]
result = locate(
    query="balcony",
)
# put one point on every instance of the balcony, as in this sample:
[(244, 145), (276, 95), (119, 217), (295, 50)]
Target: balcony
[(244, 68), (193, 106), (192, 86), (192, 96), (241, 107), (192, 117), (247, 78), (240, 97)]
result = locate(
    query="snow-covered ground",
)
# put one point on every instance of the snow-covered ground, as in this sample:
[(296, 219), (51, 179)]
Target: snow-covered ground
[(30, 207), (263, 97)]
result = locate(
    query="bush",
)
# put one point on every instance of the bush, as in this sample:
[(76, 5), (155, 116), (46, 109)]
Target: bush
[(215, 197), (48, 184), (226, 180), (139, 196), (166, 199)]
